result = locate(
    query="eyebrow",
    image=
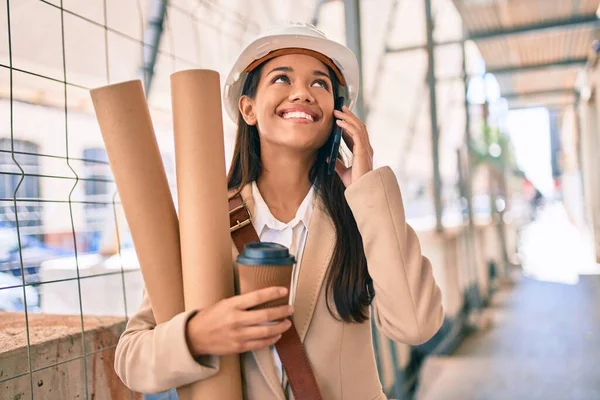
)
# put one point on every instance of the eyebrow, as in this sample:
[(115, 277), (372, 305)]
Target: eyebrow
[(282, 69), (321, 73), (290, 69)]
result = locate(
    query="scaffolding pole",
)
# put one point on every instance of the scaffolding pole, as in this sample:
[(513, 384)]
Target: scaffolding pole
[(435, 133), (352, 17), (317, 11), (152, 36), (474, 293), (468, 140)]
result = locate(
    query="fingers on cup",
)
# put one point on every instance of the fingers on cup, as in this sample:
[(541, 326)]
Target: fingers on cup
[(258, 317), (261, 296)]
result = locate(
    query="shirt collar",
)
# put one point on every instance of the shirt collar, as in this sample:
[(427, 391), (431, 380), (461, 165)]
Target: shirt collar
[(262, 216)]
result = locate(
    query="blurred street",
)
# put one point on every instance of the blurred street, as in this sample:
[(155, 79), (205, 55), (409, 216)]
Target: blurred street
[(543, 341), (554, 250)]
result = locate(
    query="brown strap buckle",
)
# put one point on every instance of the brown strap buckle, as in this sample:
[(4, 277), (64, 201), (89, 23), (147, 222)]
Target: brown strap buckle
[(240, 224)]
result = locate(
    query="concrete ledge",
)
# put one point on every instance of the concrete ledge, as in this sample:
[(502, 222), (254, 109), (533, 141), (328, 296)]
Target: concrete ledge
[(57, 355)]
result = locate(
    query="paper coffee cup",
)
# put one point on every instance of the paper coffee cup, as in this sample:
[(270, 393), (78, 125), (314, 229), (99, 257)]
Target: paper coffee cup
[(262, 265)]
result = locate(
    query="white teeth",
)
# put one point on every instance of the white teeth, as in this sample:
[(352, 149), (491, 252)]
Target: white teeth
[(297, 114)]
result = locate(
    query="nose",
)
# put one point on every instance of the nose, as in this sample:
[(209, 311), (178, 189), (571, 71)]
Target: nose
[(300, 93)]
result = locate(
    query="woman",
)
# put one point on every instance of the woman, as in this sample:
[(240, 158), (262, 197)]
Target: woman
[(347, 231)]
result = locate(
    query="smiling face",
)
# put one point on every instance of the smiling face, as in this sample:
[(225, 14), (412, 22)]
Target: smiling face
[(293, 106)]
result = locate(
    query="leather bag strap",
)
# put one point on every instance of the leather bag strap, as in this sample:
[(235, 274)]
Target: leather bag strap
[(289, 347)]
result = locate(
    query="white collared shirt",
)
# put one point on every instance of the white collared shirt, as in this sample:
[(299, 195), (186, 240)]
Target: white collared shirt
[(291, 235)]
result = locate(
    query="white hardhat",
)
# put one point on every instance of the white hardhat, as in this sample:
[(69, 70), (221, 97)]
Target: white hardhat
[(292, 39)]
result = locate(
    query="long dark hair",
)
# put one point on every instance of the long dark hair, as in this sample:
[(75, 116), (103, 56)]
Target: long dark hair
[(348, 278)]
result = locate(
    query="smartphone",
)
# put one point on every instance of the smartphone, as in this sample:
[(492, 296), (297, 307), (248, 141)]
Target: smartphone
[(337, 137)]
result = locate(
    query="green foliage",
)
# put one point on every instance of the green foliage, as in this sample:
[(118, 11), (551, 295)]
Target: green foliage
[(494, 148)]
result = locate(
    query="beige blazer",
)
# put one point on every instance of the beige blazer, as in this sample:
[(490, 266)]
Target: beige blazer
[(407, 308)]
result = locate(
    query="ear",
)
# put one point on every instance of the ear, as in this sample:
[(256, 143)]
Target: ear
[(247, 109)]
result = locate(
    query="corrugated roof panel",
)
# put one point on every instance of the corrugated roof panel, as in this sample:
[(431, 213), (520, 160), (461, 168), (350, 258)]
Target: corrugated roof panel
[(532, 81), (538, 48), (478, 17), (586, 6), (553, 101), (555, 46), (552, 79), (492, 15)]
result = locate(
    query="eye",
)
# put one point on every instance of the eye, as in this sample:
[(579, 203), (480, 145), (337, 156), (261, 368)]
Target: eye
[(281, 79), (322, 83)]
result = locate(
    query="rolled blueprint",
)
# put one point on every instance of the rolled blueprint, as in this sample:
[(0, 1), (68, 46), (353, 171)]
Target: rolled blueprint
[(140, 176), (203, 209)]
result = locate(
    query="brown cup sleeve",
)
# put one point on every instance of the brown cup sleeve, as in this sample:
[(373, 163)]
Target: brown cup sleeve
[(255, 277)]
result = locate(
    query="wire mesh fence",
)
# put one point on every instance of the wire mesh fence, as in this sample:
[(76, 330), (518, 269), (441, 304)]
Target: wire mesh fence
[(69, 276), (67, 266)]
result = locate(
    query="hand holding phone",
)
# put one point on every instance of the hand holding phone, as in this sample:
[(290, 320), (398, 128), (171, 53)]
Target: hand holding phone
[(337, 137)]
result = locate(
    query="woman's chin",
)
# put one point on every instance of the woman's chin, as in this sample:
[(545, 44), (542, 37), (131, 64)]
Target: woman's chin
[(299, 144), (297, 139)]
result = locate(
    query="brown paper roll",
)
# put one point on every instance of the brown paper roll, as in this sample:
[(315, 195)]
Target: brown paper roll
[(203, 209), (140, 176), (255, 277)]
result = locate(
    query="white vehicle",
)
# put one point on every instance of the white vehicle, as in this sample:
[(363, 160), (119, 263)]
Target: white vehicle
[(11, 295)]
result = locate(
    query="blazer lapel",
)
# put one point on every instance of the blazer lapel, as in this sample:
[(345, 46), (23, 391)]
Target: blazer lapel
[(315, 260), (264, 357)]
